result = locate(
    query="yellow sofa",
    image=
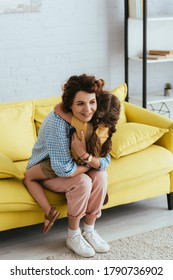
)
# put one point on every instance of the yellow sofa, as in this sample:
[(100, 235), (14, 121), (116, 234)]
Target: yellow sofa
[(141, 163)]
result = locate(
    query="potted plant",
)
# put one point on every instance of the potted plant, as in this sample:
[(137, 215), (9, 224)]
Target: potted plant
[(167, 89)]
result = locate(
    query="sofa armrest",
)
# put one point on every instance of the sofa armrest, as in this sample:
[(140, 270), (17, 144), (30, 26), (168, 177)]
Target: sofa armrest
[(138, 114)]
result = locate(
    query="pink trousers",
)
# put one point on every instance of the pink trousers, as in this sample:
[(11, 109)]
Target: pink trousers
[(85, 193)]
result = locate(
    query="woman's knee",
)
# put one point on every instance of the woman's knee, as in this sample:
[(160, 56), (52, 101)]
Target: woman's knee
[(99, 179), (84, 183), (99, 176)]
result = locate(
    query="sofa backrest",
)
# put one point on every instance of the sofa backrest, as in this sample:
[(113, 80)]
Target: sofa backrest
[(20, 123)]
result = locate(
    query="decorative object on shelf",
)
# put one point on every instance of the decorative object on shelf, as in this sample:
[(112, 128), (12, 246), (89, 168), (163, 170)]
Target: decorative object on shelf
[(167, 89)]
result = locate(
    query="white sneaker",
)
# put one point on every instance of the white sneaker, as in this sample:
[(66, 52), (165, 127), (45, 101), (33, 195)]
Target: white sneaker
[(80, 246), (99, 245)]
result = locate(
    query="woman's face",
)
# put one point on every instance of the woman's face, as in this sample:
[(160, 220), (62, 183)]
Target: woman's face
[(84, 105)]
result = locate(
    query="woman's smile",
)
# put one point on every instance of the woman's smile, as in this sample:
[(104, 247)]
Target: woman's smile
[(84, 105)]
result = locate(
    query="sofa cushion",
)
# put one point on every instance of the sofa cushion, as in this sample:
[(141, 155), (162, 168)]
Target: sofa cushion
[(8, 169), (17, 128), (43, 106), (121, 93), (21, 200), (133, 137), (153, 162), (144, 165), (21, 165)]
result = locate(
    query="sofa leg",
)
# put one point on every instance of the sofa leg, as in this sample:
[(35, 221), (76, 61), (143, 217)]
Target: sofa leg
[(170, 201)]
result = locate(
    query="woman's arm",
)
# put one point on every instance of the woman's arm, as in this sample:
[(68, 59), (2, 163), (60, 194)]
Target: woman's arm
[(66, 116), (57, 141)]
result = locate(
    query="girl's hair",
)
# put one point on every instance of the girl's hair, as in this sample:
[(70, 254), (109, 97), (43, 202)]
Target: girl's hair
[(107, 114), (76, 83)]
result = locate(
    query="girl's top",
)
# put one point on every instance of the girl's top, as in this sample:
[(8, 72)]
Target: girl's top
[(54, 142), (87, 128)]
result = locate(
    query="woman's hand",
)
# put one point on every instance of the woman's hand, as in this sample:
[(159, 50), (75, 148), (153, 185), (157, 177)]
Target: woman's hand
[(78, 145)]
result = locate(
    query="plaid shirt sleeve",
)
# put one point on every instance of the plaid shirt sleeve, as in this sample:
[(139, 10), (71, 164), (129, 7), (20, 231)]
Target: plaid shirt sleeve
[(104, 162), (57, 138)]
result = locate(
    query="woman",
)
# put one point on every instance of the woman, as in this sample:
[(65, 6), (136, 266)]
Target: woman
[(85, 186)]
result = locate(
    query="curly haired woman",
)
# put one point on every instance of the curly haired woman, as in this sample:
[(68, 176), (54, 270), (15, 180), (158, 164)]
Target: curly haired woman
[(85, 185)]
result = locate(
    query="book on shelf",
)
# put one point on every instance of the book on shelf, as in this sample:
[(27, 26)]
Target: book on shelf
[(135, 8), (169, 55), (161, 52), (153, 56)]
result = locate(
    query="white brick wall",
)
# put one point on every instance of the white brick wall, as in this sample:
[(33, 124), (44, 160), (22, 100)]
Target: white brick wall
[(39, 51)]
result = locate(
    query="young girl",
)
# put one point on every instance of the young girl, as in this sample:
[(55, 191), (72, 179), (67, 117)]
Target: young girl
[(97, 135)]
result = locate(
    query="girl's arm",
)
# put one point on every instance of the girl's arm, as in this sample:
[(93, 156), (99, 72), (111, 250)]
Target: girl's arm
[(66, 116)]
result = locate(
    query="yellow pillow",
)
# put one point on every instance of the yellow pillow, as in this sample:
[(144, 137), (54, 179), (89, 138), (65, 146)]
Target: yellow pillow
[(8, 169), (133, 137), (121, 92), (43, 106), (17, 129)]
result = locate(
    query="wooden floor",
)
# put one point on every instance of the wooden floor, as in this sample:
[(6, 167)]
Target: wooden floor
[(122, 221)]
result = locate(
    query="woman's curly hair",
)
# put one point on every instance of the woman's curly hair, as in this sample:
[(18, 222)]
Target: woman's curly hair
[(107, 114), (76, 83)]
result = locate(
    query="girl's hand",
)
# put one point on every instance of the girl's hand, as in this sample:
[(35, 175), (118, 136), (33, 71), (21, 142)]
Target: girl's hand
[(66, 116), (78, 145)]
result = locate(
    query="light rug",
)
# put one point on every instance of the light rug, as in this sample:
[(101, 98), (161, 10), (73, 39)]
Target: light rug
[(152, 245)]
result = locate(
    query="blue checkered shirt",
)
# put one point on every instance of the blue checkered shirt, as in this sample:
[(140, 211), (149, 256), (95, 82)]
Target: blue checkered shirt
[(54, 142)]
